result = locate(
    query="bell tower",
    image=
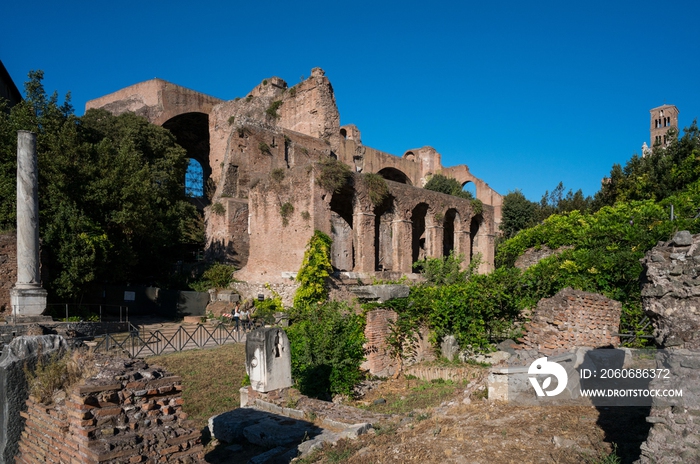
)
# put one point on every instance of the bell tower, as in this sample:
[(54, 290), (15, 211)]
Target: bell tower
[(663, 118)]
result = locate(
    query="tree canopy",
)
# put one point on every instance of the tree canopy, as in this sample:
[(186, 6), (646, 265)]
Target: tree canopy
[(111, 195)]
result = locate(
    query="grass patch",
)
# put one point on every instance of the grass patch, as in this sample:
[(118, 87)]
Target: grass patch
[(418, 394), (211, 379)]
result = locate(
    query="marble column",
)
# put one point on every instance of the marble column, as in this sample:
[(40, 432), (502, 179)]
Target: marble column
[(28, 298)]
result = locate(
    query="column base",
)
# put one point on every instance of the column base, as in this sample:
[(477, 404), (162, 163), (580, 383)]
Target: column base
[(28, 301)]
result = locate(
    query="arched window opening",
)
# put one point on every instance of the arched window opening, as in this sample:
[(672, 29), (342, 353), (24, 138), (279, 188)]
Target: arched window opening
[(344, 133), (469, 187), (194, 179), (395, 175)]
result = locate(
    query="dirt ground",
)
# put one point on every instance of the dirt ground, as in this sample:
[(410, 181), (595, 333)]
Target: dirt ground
[(493, 433)]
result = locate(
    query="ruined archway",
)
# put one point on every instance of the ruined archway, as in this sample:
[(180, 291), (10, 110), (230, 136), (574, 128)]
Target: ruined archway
[(191, 131), (342, 248), (470, 187), (449, 238), (419, 246), (395, 175)]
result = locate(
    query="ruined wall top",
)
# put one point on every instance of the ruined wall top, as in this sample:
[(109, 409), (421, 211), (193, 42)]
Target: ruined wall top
[(156, 100)]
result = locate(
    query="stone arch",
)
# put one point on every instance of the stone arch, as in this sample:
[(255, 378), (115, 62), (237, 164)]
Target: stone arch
[(409, 156), (479, 240), (342, 248), (395, 175), (191, 131), (471, 187), (343, 133)]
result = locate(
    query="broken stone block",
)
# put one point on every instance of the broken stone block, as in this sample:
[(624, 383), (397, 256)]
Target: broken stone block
[(268, 359), (381, 293)]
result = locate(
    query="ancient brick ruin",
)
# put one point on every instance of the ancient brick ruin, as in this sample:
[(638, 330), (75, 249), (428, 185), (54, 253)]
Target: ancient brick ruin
[(259, 153), (572, 319), (130, 412)]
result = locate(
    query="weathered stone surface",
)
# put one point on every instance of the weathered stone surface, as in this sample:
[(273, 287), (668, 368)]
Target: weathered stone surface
[(280, 129), (380, 293), (449, 347), (268, 359), (21, 352), (671, 302)]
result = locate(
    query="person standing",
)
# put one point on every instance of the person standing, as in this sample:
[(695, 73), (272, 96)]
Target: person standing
[(237, 314), (245, 318)]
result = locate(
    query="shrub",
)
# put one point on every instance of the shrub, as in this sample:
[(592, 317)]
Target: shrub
[(447, 185), (333, 175), (216, 276), (376, 187), (305, 215), (264, 148), (278, 175), (59, 372), (218, 209), (286, 211), (271, 110), (264, 82), (293, 91), (327, 350), (231, 120), (446, 270), (315, 269), (267, 308)]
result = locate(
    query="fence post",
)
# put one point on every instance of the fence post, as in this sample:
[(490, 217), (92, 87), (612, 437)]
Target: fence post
[(100, 313), (66, 312)]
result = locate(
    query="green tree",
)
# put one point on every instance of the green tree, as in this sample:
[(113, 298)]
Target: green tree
[(448, 186), (315, 270), (517, 213), (111, 195)]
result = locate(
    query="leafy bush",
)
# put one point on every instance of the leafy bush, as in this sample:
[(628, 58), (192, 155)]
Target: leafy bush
[(326, 350), (216, 276), (315, 269), (272, 109), (448, 186), (333, 175), (377, 188), (446, 270), (266, 309)]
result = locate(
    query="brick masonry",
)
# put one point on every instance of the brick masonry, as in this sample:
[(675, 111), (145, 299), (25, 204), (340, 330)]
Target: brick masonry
[(8, 269), (378, 358), (571, 319), (128, 413)]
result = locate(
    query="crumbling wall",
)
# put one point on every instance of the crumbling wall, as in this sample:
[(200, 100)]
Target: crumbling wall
[(8, 269), (671, 299), (571, 319), (533, 256), (20, 353), (129, 412), (378, 360)]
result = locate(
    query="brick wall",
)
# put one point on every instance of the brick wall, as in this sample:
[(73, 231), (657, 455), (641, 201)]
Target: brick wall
[(378, 359), (8, 269), (129, 413), (570, 319)]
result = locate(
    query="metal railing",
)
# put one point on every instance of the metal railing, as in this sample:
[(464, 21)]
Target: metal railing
[(155, 342), (81, 310)]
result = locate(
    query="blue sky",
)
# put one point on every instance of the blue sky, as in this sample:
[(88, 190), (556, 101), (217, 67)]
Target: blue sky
[(526, 94)]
